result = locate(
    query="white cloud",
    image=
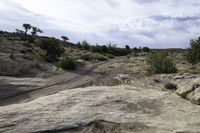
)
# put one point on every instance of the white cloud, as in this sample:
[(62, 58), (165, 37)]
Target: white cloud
[(124, 22)]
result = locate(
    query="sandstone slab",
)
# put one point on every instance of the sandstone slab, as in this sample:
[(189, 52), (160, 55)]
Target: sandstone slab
[(190, 90), (128, 108)]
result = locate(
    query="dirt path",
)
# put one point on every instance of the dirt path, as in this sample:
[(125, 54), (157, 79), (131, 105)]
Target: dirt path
[(55, 84)]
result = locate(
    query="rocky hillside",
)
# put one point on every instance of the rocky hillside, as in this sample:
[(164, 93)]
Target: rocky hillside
[(19, 57)]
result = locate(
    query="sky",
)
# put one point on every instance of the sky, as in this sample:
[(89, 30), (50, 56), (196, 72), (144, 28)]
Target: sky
[(152, 23)]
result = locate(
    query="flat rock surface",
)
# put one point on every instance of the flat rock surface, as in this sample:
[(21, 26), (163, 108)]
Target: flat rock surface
[(103, 109)]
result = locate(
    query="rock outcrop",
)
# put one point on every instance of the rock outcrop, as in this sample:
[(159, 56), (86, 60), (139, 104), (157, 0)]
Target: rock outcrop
[(103, 110), (190, 90)]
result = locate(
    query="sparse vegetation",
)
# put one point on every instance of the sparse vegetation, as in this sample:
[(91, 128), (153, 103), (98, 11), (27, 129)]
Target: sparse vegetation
[(104, 49), (24, 34), (68, 64), (160, 63)]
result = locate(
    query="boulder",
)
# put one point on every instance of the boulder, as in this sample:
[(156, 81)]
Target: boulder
[(194, 96), (190, 90), (170, 86)]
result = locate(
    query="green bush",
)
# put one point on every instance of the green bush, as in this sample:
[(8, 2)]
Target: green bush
[(53, 49), (193, 54), (136, 50), (96, 49), (68, 64), (160, 63), (110, 56), (101, 57), (146, 49), (85, 45)]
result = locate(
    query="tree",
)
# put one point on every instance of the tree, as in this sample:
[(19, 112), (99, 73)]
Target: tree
[(19, 31), (127, 47), (35, 30), (27, 27), (65, 39), (146, 49)]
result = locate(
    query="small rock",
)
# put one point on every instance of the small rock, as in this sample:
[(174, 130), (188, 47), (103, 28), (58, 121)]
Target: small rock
[(170, 86)]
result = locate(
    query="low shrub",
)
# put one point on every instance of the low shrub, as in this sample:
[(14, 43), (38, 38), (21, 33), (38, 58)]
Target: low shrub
[(68, 64), (110, 56), (101, 57), (160, 63), (146, 49)]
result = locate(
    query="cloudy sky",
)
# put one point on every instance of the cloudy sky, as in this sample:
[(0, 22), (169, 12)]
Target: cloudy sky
[(153, 23)]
